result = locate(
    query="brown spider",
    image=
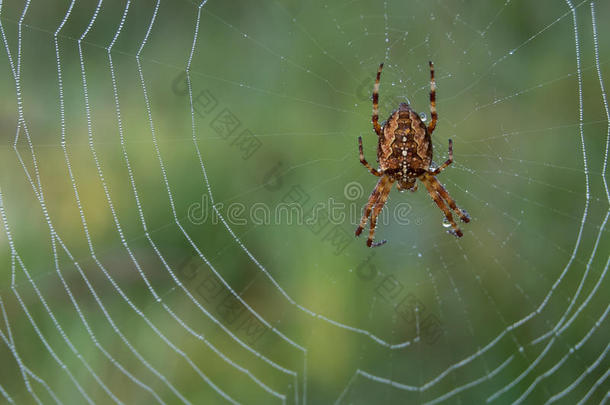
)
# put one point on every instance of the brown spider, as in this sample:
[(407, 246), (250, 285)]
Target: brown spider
[(404, 153)]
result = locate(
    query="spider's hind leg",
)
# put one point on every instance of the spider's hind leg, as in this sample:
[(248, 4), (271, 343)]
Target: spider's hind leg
[(373, 206), (445, 195), (436, 196), (383, 197), (369, 205)]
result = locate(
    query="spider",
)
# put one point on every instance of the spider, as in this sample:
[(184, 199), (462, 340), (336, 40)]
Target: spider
[(404, 154)]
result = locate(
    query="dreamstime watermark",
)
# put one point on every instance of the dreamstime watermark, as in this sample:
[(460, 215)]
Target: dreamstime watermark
[(223, 122), (294, 208), (223, 304), (406, 304)]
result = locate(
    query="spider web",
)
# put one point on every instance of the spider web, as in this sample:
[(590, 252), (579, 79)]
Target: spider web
[(180, 185)]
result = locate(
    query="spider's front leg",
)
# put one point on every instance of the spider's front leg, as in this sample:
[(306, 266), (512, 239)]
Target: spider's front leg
[(369, 205), (363, 160), (375, 119), (433, 112)]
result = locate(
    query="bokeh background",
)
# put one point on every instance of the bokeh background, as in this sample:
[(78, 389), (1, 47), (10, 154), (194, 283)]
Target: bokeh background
[(159, 242)]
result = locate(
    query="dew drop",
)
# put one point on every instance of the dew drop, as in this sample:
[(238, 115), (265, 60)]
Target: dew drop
[(423, 116), (446, 223)]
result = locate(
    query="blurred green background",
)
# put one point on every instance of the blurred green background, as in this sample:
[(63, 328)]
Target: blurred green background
[(143, 292)]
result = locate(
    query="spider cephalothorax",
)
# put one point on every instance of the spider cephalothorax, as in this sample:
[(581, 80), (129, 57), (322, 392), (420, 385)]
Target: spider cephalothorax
[(404, 154)]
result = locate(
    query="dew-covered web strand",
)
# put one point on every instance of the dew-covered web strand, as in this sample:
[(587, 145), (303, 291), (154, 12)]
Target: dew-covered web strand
[(593, 291), (586, 179), (604, 97), (488, 373), (6, 396), (166, 181), (207, 184), (512, 52), (559, 363), (54, 237), (176, 220), (194, 137), (15, 256), (599, 383), (296, 65), (117, 224), (532, 365), (94, 340), (10, 343), (157, 251), (541, 275), (481, 34), (424, 387), (584, 374), (38, 191), (115, 216), (314, 41), (593, 254), (556, 331), (75, 188), (386, 29), (439, 302)]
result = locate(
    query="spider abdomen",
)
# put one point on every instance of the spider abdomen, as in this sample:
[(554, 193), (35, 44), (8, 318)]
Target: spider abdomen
[(406, 150)]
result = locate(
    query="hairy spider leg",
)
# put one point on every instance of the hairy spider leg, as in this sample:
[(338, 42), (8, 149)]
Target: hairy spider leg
[(427, 180), (383, 197), (447, 162), (363, 160), (433, 113), (443, 193), (369, 205), (375, 119)]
